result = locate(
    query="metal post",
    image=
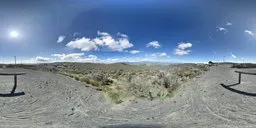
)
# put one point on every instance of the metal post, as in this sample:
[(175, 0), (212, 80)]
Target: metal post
[(239, 79), (15, 84), (15, 61)]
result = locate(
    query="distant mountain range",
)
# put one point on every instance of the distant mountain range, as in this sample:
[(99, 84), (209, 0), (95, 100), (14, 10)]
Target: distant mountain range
[(150, 63)]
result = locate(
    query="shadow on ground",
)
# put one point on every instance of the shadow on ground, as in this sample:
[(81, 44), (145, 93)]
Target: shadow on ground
[(237, 91), (12, 94), (133, 126)]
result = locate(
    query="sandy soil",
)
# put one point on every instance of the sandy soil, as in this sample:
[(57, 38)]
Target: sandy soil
[(56, 101)]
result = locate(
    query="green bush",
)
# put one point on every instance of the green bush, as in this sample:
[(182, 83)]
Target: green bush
[(114, 97)]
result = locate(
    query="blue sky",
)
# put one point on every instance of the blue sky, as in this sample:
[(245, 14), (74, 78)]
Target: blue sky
[(128, 30)]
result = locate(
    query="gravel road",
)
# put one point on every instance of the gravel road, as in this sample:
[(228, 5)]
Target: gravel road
[(56, 101)]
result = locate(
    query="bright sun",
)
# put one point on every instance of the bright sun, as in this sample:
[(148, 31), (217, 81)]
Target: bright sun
[(14, 34)]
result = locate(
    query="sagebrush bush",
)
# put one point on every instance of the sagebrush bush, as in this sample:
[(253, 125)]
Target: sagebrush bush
[(114, 97)]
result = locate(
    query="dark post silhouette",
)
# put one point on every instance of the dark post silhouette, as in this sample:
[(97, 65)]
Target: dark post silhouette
[(15, 74), (248, 72), (15, 84), (239, 79)]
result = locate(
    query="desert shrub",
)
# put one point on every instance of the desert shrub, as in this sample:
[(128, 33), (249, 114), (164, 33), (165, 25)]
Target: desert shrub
[(175, 83), (113, 72), (164, 80), (77, 78), (94, 83), (119, 73), (129, 77), (102, 79), (243, 65), (203, 67), (189, 72), (85, 80), (114, 97)]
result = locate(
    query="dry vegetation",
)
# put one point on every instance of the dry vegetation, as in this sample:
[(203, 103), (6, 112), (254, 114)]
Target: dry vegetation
[(121, 81), (244, 65)]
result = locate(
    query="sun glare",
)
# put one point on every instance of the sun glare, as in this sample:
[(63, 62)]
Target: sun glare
[(14, 34)]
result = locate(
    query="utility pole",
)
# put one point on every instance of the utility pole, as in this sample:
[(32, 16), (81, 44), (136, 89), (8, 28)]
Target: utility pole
[(15, 61)]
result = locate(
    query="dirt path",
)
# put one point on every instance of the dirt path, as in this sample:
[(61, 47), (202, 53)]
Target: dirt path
[(57, 101)]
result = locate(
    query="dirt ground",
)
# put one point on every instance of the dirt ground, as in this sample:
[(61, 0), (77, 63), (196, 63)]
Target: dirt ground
[(213, 100)]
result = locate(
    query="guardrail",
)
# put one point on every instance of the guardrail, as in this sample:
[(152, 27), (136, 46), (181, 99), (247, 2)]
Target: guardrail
[(15, 82)]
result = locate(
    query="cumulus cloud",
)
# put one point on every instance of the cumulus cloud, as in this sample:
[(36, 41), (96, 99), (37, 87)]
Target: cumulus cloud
[(154, 44), (163, 54), (122, 35), (76, 33), (102, 33), (159, 54), (221, 29), (182, 49), (76, 57), (181, 52), (184, 45), (89, 58), (249, 32), (234, 56), (61, 39), (104, 39), (37, 59), (134, 51), (85, 44), (125, 59), (70, 56), (42, 59), (228, 24)]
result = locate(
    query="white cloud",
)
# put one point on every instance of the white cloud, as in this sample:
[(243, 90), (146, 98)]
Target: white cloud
[(134, 51), (102, 33), (228, 24), (249, 32), (71, 56), (234, 56), (60, 39), (154, 44), (182, 49), (42, 59), (163, 54), (75, 57), (181, 52), (37, 59), (222, 29), (76, 33), (159, 54), (125, 59), (184, 45), (85, 44), (89, 58), (122, 35), (114, 44), (104, 40), (80, 57)]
